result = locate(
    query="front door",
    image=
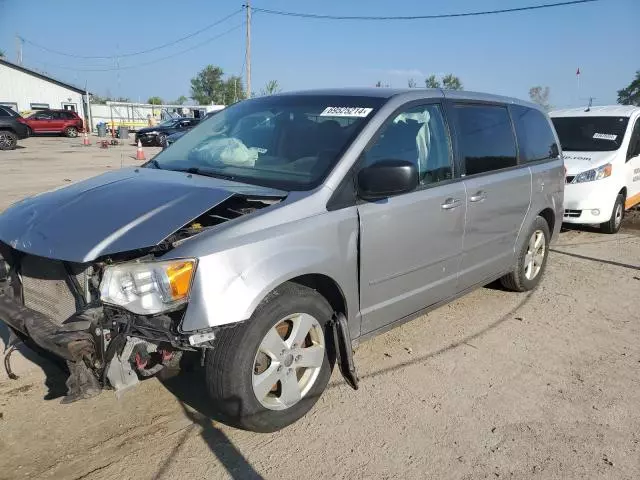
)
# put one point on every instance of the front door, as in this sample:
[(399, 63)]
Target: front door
[(498, 190), (410, 245), (633, 167), (41, 122)]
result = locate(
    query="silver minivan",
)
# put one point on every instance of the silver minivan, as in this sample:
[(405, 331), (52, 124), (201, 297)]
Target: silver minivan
[(276, 235)]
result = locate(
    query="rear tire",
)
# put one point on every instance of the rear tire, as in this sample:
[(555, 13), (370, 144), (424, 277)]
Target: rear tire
[(162, 140), (531, 260), (255, 381), (617, 215), (71, 132), (8, 140)]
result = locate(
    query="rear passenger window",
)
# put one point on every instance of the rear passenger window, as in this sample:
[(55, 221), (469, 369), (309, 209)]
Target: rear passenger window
[(535, 137), (4, 113), (486, 138)]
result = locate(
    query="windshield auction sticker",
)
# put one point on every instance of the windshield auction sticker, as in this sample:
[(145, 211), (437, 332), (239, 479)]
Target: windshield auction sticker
[(346, 112), (605, 136)]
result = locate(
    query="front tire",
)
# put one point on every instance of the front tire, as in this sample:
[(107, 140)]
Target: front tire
[(615, 222), (531, 259), (8, 140), (268, 372)]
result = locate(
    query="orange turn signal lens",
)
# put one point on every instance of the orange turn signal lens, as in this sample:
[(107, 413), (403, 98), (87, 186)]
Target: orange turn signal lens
[(179, 275)]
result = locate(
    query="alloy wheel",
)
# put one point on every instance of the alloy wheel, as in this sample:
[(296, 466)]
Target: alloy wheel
[(6, 141), (288, 361), (536, 250)]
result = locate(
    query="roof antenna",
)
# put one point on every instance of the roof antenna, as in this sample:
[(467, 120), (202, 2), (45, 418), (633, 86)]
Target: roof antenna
[(588, 109)]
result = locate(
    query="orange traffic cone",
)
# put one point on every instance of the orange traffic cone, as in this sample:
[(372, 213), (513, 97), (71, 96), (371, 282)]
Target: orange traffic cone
[(140, 152), (85, 140)]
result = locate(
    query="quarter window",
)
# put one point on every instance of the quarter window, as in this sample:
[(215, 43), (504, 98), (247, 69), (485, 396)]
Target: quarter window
[(418, 135), (535, 138), (486, 138)]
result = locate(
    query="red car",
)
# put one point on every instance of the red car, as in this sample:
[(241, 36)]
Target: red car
[(65, 122)]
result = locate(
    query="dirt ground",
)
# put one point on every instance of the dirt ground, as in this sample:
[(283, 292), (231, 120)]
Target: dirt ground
[(494, 385)]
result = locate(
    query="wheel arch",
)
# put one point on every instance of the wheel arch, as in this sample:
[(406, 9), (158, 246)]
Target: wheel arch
[(623, 192), (550, 217), (325, 286)]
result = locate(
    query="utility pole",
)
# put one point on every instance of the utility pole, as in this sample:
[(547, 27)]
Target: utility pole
[(248, 50), (18, 50)]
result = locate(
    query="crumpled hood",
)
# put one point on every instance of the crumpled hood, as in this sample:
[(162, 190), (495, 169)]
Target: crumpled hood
[(578, 162), (115, 212)]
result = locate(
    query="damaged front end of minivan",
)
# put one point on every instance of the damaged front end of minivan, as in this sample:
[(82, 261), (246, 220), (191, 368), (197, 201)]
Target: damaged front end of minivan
[(100, 292)]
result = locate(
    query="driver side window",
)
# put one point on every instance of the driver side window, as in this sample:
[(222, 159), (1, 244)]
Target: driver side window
[(634, 141), (418, 135)]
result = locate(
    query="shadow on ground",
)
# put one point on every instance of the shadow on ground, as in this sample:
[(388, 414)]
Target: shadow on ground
[(55, 370), (189, 387)]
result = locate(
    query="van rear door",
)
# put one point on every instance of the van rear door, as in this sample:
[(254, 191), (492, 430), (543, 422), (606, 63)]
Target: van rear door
[(498, 190)]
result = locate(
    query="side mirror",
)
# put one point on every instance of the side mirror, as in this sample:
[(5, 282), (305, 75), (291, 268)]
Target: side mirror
[(555, 151), (387, 178)]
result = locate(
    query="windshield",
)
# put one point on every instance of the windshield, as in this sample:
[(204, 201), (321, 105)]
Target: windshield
[(168, 123), (289, 142), (590, 134)]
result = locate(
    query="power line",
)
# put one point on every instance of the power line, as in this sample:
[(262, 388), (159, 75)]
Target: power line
[(131, 54), (144, 64), (419, 17)]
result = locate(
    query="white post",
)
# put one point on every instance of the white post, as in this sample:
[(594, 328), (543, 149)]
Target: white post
[(90, 126)]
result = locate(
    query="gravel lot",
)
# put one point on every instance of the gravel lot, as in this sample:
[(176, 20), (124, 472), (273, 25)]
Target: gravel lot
[(494, 385)]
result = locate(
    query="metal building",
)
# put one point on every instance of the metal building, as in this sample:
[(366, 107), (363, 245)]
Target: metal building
[(26, 90)]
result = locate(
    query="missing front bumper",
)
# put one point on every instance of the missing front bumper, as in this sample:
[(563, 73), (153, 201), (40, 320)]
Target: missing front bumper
[(71, 341)]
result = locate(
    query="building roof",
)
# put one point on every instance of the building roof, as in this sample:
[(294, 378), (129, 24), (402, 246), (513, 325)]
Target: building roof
[(599, 111), (42, 76)]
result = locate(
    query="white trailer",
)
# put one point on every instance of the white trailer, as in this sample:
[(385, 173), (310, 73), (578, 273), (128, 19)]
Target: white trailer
[(136, 115)]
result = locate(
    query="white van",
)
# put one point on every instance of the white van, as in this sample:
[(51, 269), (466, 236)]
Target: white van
[(601, 147)]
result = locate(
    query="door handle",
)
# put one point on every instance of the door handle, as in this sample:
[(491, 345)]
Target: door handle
[(451, 203), (478, 197)]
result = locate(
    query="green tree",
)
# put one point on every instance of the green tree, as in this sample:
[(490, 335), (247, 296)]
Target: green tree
[(411, 83), (208, 86), (540, 95), (431, 82), (271, 87), (155, 101), (233, 90), (181, 100), (1, 53), (631, 94), (451, 82)]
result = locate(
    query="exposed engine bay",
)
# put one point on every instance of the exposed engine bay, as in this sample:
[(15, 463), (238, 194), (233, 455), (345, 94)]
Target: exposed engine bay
[(57, 305)]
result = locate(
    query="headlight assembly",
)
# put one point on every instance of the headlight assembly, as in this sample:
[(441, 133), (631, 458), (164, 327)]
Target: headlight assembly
[(594, 174), (148, 288)]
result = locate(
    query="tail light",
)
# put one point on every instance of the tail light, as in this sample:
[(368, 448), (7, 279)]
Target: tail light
[(21, 120)]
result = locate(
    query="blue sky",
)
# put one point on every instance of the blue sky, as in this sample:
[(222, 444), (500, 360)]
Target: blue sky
[(504, 54)]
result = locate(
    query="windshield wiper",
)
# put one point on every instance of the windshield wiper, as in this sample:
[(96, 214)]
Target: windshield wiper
[(204, 173), (154, 163)]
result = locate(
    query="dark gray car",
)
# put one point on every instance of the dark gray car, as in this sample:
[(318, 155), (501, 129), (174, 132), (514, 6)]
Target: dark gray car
[(279, 233)]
